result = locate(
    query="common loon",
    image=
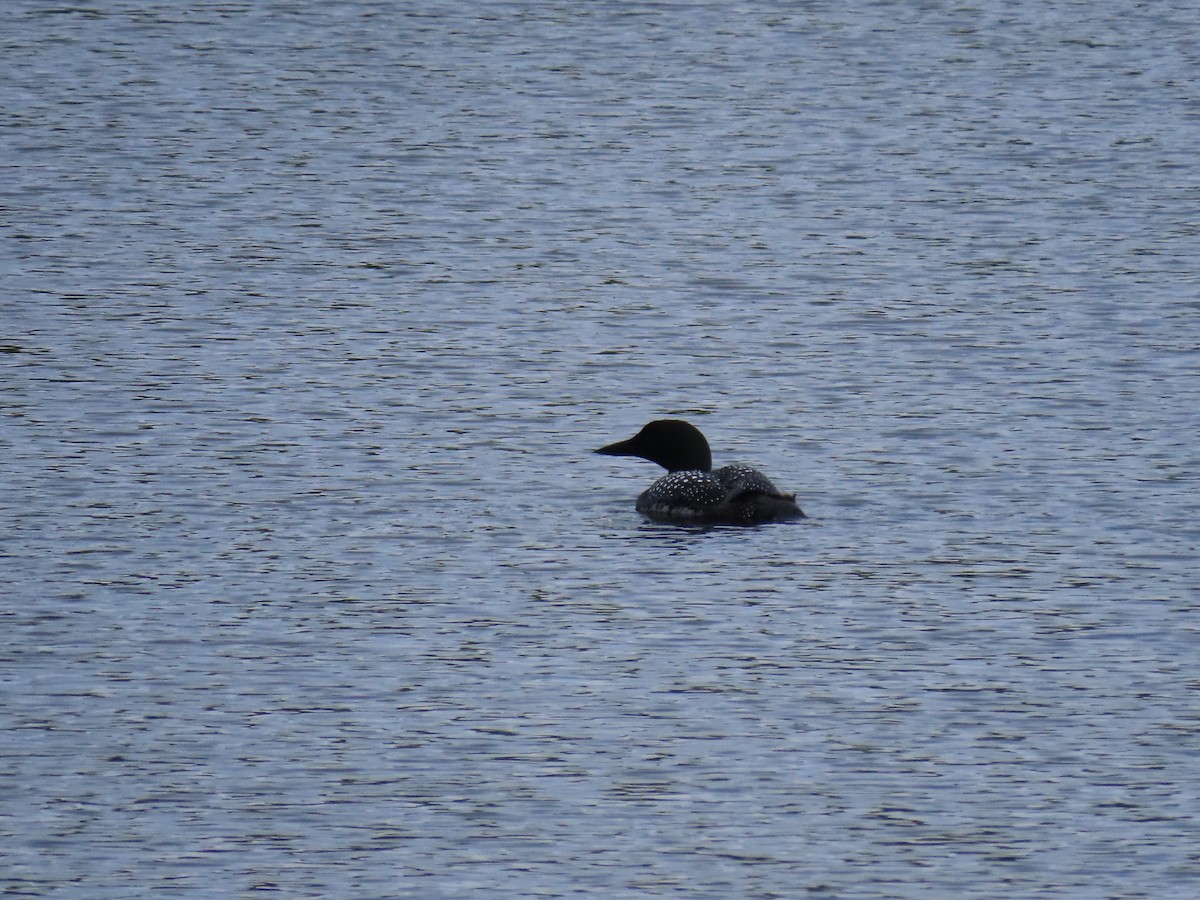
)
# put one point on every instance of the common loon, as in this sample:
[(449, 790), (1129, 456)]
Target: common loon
[(691, 491)]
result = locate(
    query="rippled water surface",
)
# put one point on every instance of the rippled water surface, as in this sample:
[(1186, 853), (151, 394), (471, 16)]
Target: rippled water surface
[(313, 312)]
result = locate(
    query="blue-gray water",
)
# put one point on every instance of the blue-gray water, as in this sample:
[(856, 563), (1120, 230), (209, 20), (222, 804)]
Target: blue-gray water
[(313, 312)]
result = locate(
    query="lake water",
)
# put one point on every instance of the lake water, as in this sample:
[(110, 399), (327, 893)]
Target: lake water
[(313, 313)]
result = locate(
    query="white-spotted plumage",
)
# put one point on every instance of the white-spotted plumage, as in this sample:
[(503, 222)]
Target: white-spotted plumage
[(736, 495)]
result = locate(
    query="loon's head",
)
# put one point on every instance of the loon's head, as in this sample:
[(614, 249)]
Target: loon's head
[(674, 445)]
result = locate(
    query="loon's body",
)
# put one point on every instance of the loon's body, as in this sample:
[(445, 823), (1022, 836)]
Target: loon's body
[(692, 491)]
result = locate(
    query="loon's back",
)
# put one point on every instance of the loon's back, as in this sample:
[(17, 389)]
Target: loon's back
[(731, 495)]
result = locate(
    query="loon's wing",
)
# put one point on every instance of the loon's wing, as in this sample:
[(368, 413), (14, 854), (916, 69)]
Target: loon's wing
[(742, 481)]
